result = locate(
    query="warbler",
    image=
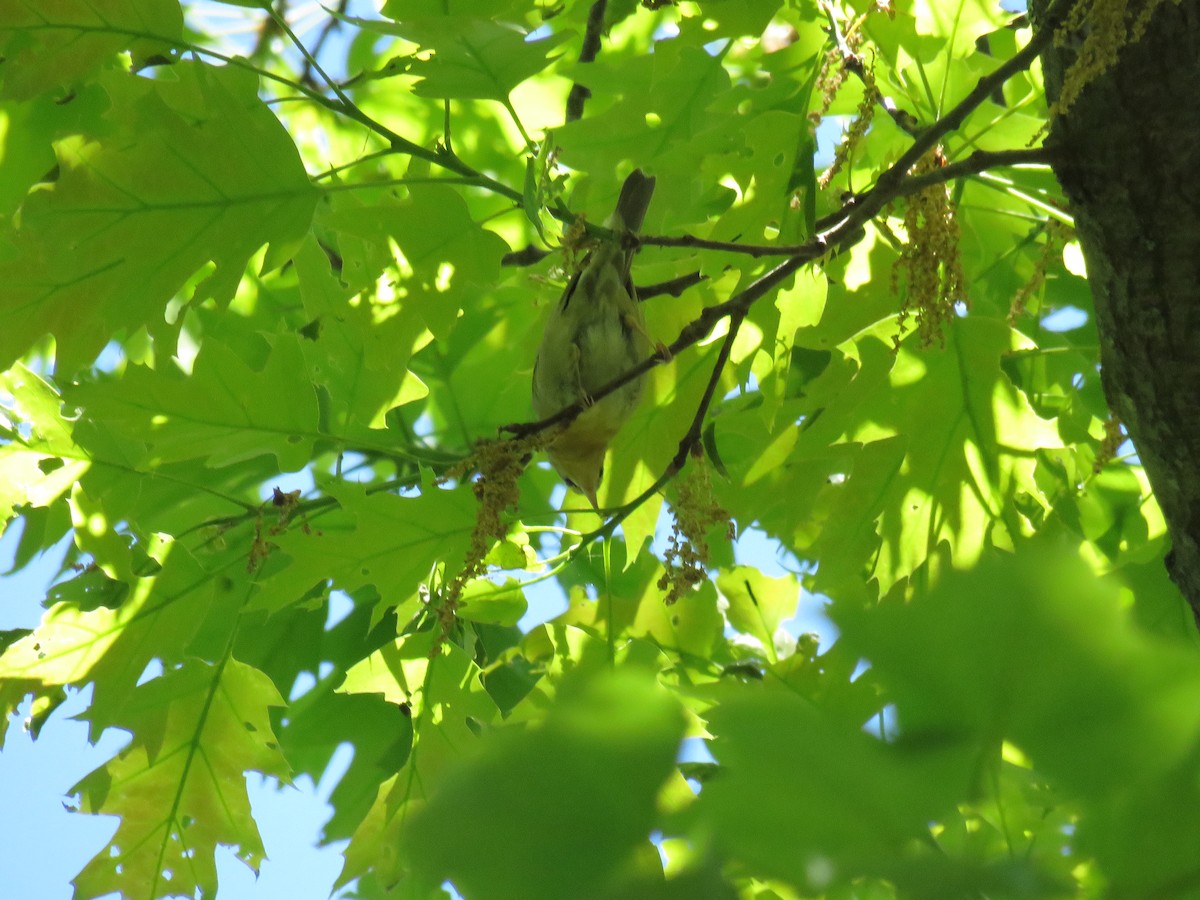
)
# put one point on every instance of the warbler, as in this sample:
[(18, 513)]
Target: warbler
[(596, 332)]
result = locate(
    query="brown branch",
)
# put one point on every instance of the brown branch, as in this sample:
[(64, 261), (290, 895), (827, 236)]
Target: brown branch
[(692, 437), (591, 46), (526, 256), (979, 161), (690, 240), (674, 286)]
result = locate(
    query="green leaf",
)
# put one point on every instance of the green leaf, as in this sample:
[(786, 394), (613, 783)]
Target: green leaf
[(960, 22), (40, 469), (493, 604), (582, 785), (28, 130), (362, 363), (664, 124), (734, 18), (1038, 626), (47, 45), (476, 59), (804, 797), (953, 442), (758, 604), (443, 689), (223, 412), (381, 734), (193, 169), (159, 618), (372, 539), (450, 258), (207, 726)]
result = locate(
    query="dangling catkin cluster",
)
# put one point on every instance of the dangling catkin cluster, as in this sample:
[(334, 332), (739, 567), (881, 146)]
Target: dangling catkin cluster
[(696, 511), (835, 69), (863, 117), (930, 262), (1057, 234), (500, 464), (1114, 435)]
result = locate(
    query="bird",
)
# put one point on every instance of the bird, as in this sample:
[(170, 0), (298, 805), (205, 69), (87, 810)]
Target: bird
[(595, 332)]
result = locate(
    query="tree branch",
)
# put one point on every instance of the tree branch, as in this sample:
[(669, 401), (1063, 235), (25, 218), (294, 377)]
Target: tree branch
[(932, 136), (673, 286), (979, 161), (845, 229), (591, 46), (528, 255)]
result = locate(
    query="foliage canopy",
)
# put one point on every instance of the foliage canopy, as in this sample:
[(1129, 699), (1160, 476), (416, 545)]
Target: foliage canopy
[(263, 300)]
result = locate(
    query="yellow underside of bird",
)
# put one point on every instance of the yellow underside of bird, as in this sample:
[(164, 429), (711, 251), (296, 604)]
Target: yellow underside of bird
[(594, 334), (581, 353)]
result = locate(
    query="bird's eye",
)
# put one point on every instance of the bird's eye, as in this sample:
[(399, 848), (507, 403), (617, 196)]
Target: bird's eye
[(601, 478), (572, 486)]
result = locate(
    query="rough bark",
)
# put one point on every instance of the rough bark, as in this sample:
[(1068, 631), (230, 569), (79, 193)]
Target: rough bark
[(1127, 154)]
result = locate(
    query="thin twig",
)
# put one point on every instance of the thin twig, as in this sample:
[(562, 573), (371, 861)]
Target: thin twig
[(528, 255), (674, 286), (690, 439), (441, 157), (690, 240), (979, 161), (334, 24), (853, 62), (310, 61), (591, 46)]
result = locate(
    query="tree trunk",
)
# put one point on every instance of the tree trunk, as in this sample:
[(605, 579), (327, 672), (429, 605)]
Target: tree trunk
[(1127, 154)]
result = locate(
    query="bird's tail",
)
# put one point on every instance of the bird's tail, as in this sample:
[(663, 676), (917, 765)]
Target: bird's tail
[(633, 202)]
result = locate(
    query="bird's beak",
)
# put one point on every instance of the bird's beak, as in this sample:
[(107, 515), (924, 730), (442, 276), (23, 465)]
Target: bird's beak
[(591, 495)]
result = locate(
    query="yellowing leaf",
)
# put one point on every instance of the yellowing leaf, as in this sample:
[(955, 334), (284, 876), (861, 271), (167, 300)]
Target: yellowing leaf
[(209, 726)]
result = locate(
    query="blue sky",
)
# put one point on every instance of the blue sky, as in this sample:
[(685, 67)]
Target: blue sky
[(43, 845)]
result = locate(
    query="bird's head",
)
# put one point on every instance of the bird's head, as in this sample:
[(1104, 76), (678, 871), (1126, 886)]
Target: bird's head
[(578, 457)]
